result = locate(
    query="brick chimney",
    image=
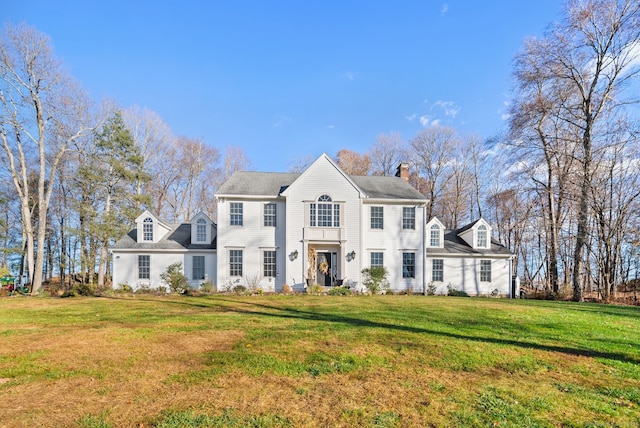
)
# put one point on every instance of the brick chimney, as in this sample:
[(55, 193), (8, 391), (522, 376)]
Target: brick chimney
[(403, 171)]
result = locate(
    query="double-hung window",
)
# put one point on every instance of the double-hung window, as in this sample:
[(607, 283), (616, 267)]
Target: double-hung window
[(147, 229), (485, 270), (235, 262), (377, 217), (236, 213), (482, 236), (437, 270), (377, 259), (201, 230), (144, 267), (408, 218), (198, 268), (434, 236), (269, 215), (408, 265), (269, 263)]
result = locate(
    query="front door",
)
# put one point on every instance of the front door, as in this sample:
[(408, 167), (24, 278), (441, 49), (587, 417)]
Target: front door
[(327, 263)]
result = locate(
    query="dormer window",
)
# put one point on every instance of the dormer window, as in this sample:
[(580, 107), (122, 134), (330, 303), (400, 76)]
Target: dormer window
[(324, 213), (147, 229), (201, 230), (435, 236), (482, 236)]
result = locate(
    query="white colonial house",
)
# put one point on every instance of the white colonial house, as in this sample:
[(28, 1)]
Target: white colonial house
[(318, 227)]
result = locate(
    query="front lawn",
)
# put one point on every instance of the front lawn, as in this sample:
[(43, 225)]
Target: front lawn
[(317, 361)]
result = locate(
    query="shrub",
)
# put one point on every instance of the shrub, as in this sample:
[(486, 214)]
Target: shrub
[(455, 293), (340, 291), (286, 289), (431, 289), (207, 287), (175, 279), (239, 289), (124, 288), (375, 279), (85, 289), (316, 288)]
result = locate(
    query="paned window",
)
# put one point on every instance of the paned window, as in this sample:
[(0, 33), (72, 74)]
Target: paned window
[(485, 270), (377, 259), (144, 267), (147, 229), (235, 262), (201, 230), (269, 263), (198, 268), (437, 270), (236, 213), (270, 215), (434, 240), (324, 213), (482, 236), (408, 218), (408, 265), (377, 217)]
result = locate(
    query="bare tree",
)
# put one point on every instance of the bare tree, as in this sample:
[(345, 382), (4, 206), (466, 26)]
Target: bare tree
[(43, 111), (353, 163), (386, 154), (585, 62), (434, 149)]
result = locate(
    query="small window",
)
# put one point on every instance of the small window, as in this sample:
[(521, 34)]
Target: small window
[(435, 236), (235, 262), (485, 270), (482, 236), (437, 270), (377, 259), (236, 214), (269, 263), (147, 229), (201, 230), (198, 268), (408, 265), (144, 267), (408, 218), (377, 217), (270, 215)]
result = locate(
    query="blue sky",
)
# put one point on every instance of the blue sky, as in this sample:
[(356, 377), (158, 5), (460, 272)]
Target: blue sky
[(288, 80)]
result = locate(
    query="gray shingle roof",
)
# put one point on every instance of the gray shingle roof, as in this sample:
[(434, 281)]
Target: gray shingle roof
[(245, 183), (179, 238), (453, 244)]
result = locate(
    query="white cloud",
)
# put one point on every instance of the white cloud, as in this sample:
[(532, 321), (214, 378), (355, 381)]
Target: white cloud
[(331, 126), (424, 120), (450, 108), (435, 122), (350, 75), (281, 119), (505, 116), (411, 117), (444, 9)]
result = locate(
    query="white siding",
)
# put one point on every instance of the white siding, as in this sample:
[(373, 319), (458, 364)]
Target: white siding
[(393, 241), (252, 238), (463, 274), (126, 268)]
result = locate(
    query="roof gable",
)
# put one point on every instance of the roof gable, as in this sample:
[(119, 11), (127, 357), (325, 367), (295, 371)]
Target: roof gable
[(322, 166)]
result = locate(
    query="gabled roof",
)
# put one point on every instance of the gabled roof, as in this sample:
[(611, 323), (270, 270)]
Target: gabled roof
[(248, 183), (179, 238), (272, 184), (454, 244)]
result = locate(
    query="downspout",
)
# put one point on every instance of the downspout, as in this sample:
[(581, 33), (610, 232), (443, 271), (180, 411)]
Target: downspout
[(424, 249)]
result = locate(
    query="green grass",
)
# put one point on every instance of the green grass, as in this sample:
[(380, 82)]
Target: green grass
[(302, 360)]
